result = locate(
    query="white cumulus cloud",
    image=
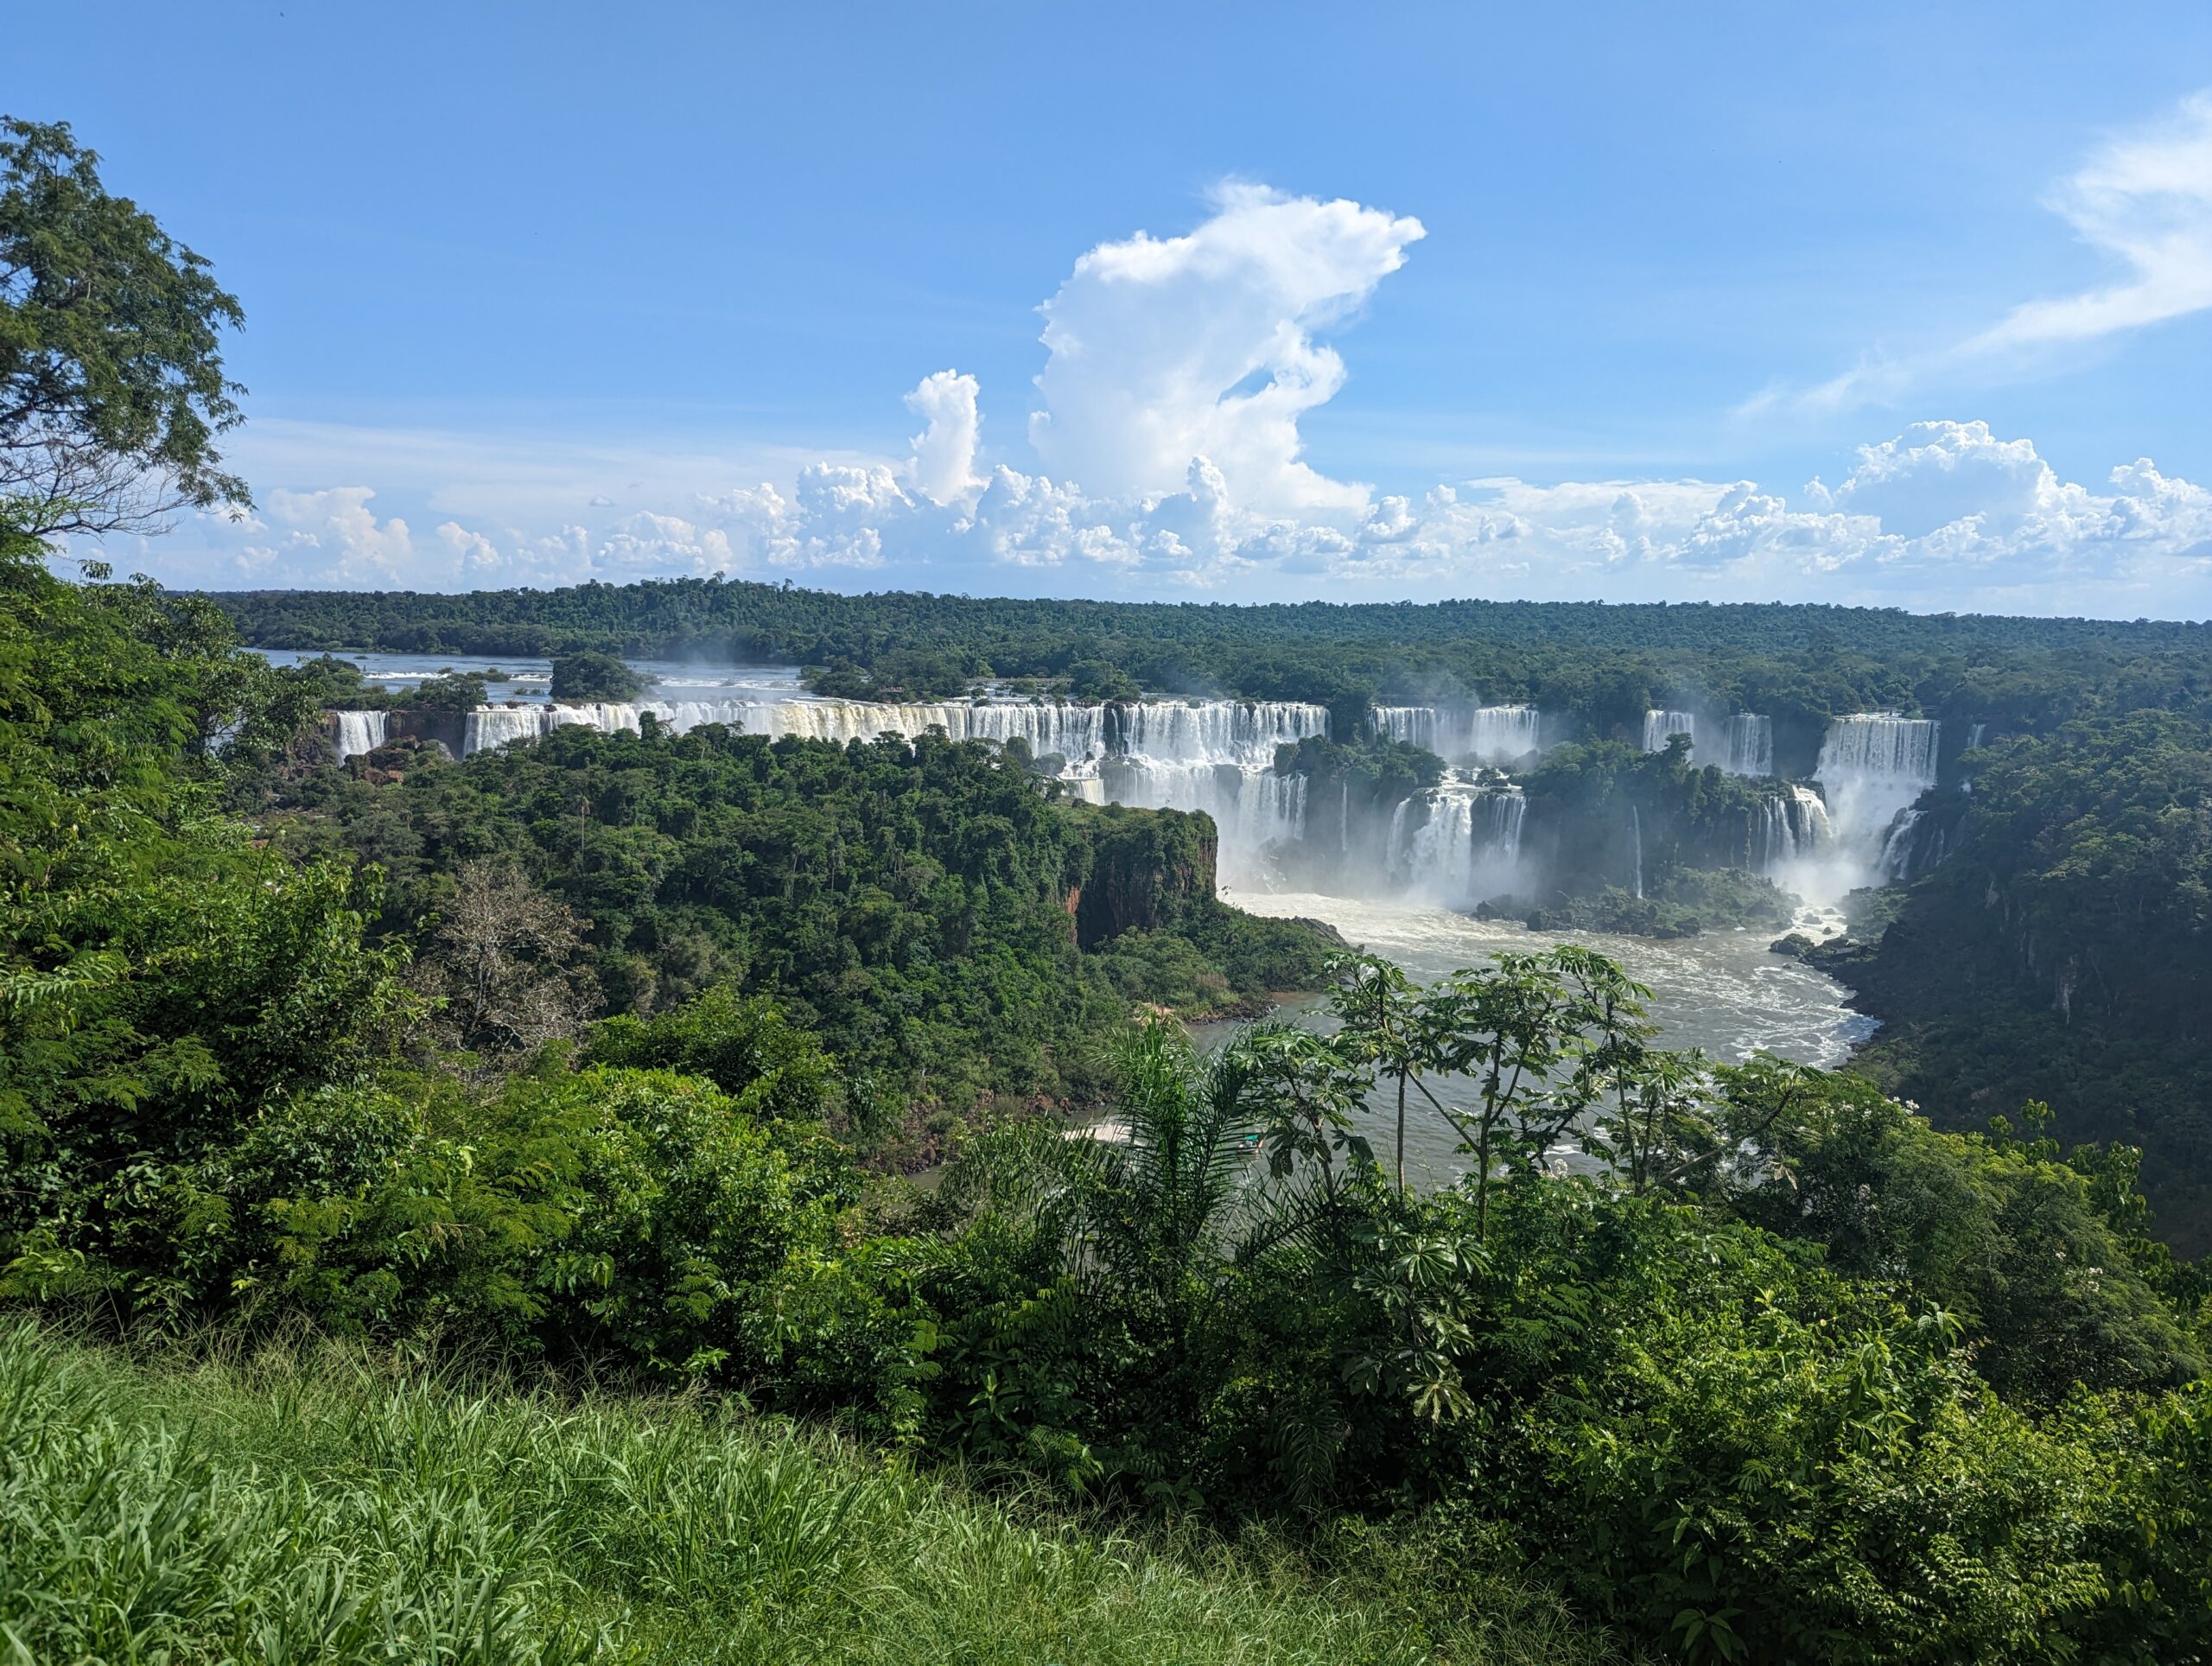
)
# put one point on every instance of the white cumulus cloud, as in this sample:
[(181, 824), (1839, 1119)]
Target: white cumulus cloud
[(1162, 350), (943, 467), (333, 531), (1177, 374)]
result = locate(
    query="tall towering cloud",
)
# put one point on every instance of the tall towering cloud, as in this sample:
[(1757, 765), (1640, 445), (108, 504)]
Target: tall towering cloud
[(1177, 373), (944, 464), (1166, 350)]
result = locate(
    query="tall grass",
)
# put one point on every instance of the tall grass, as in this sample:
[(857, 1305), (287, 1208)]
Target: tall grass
[(316, 1505)]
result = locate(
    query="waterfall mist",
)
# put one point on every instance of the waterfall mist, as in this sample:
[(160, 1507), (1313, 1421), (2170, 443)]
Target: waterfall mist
[(1742, 743), (1494, 735), (1458, 843), (1872, 766)]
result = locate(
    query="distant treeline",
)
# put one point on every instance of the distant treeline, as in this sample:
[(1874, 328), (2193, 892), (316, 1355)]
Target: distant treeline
[(1597, 665), (784, 624)]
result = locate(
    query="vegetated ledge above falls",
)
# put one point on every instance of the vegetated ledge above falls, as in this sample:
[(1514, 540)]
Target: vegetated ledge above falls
[(1150, 878)]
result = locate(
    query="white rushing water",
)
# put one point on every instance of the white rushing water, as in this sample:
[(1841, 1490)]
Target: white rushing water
[(359, 731), (1659, 727), (1724, 992), (1791, 828), (1750, 744), (1872, 766), (1488, 734), (1742, 744), (1214, 755), (1458, 843)]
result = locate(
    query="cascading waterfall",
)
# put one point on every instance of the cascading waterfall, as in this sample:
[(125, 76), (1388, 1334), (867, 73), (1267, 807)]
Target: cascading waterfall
[(1897, 844), (1659, 725), (1750, 736), (1465, 844), (1416, 725), (1915, 843), (1788, 829), (1490, 734), (1872, 766), (1635, 836), (1214, 755), (1745, 745), (360, 731)]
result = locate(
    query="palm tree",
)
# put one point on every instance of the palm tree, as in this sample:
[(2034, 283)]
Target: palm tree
[(1159, 1204)]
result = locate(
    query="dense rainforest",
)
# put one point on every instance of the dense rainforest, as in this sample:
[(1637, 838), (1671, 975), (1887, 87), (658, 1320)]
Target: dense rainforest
[(450, 1208), (1602, 665), (1909, 1395), (2063, 952), (955, 936), (2001, 976)]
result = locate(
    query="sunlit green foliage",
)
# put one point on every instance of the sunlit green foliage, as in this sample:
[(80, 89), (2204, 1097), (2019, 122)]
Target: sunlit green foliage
[(321, 1506), (2063, 953)]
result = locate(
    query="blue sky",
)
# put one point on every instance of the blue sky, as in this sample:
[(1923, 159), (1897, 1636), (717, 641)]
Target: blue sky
[(1725, 302)]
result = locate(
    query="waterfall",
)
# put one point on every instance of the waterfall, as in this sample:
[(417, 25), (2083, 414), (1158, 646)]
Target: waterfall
[(1659, 725), (1975, 735), (1750, 744), (1490, 734), (1500, 734), (1895, 863), (1215, 731), (1789, 828), (1465, 846), (1214, 755), (1635, 832), (491, 727), (1745, 746), (1076, 733), (1915, 843), (360, 731), (1872, 766), (1415, 725)]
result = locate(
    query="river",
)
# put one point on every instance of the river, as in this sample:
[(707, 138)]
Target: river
[(1724, 992)]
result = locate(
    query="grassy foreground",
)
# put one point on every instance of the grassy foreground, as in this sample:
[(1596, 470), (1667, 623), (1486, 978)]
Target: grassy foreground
[(320, 1506)]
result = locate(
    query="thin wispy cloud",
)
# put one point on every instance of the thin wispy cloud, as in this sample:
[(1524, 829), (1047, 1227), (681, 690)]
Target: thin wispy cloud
[(2143, 200), (2146, 200)]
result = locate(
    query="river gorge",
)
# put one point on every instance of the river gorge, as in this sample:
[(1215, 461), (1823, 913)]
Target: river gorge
[(1396, 871)]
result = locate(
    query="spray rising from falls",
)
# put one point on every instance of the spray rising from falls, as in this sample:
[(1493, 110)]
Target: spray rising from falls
[(1214, 755), (1458, 843), (1489, 735), (1872, 766), (1788, 830)]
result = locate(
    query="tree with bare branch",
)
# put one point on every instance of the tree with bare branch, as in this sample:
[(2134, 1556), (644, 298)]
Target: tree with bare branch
[(112, 386), (502, 956)]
